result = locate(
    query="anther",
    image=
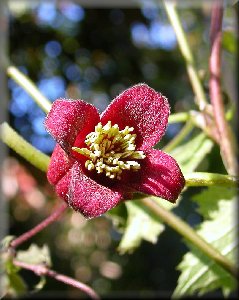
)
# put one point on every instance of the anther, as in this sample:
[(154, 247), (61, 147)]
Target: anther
[(108, 147)]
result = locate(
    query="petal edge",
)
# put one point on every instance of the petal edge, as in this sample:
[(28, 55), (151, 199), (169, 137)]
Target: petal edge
[(160, 175), (85, 195), (142, 108), (69, 118), (60, 164)]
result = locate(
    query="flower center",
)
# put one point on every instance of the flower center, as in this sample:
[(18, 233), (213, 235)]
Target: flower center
[(111, 150)]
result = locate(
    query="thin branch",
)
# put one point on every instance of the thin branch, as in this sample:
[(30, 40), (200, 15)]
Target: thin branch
[(23, 148), (27, 235), (226, 140), (206, 123), (200, 119), (188, 233), (210, 179), (178, 117), (30, 88), (42, 270), (179, 137), (201, 99)]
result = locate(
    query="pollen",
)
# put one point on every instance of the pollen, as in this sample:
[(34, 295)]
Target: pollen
[(110, 151)]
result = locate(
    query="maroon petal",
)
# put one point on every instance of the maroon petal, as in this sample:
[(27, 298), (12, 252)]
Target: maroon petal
[(85, 195), (68, 119), (60, 164), (144, 109), (160, 175)]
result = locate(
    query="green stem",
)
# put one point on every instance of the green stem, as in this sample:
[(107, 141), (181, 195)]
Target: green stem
[(201, 98), (179, 137), (188, 233), (209, 179), (23, 148), (178, 117), (30, 88)]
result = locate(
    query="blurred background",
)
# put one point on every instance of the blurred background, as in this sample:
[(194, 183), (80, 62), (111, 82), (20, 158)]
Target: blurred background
[(93, 53)]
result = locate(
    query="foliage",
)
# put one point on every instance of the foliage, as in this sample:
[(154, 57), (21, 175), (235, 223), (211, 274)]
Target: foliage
[(35, 255), (219, 228), (12, 283)]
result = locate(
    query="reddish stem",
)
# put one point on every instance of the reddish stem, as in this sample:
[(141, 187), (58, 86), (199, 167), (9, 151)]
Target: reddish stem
[(27, 235), (224, 131), (216, 20), (42, 270)]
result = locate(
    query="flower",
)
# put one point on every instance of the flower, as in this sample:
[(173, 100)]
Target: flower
[(100, 160)]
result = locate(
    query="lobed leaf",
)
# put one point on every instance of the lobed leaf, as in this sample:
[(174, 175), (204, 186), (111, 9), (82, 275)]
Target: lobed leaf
[(199, 274), (35, 255), (190, 154), (12, 284), (140, 226)]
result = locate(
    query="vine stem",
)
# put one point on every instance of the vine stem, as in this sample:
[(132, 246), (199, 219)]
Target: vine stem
[(27, 235), (178, 117), (45, 104), (29, 87), (201, 99), (42, 270), (226, 140), (210, 179), (23, 148), (179, 137), (189, 233)]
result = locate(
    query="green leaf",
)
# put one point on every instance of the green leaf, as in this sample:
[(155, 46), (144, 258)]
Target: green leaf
[(229, 41), (40, 285), (12, 285), (207, 200), (190, 154), (200, 274), (16, 285), (140, 225), (5, 242), (118, 216), (35, 255)]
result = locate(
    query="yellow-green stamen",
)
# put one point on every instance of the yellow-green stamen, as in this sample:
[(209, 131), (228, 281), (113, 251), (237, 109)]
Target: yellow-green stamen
[(111, 150)]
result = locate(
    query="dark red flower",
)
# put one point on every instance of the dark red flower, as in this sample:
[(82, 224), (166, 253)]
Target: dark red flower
[(101, 160)]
